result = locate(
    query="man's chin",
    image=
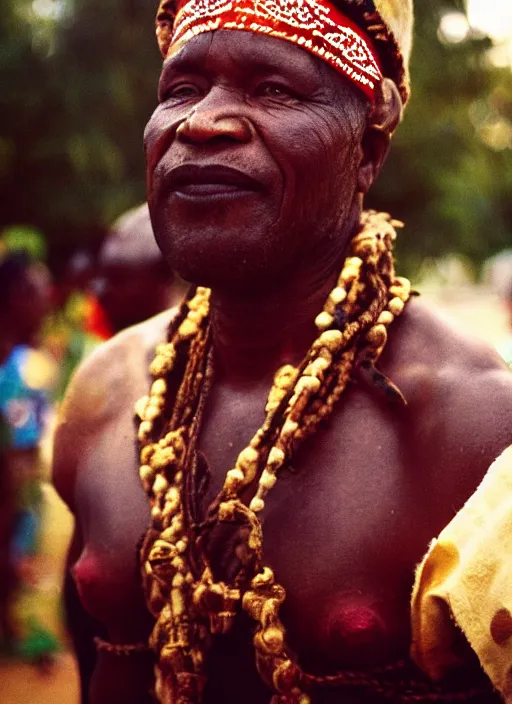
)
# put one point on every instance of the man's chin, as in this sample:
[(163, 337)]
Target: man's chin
[(229, 277)]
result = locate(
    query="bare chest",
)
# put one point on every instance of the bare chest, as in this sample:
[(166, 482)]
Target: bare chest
[(343, 530)]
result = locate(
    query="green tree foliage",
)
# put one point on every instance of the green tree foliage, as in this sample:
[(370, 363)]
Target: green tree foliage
[(79, 82), (77, 90), (449, 174)]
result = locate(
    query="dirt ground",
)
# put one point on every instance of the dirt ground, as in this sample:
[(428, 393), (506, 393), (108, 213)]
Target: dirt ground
[(25, 684), (21, 683)]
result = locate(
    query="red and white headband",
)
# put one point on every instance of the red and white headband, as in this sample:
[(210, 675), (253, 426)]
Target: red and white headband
[(314, 25)]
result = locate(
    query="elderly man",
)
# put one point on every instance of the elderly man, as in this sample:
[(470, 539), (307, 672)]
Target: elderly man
[(303, 431)]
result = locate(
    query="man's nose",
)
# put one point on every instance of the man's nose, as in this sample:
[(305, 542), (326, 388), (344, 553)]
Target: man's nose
[(214, 124)]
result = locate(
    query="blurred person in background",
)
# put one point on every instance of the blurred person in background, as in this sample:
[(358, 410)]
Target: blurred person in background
[(133, 281), (27, 377), (298, 397), (76, 325)]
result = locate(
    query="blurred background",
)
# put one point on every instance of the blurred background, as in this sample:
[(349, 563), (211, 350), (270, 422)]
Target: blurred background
[(78, 83)]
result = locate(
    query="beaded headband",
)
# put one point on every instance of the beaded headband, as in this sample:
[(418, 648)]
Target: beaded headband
[(315, 25)]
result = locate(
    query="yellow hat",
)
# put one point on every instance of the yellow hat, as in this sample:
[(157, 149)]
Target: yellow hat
[(398, 17), (389, 23)]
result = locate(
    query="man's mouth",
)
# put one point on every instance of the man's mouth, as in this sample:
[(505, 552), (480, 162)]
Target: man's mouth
[(193, 182)]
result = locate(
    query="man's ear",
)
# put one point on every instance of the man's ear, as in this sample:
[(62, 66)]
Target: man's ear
[(382, 122)]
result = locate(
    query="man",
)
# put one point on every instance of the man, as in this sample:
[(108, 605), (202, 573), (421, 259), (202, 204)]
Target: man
[(284, 528), (133, 281)]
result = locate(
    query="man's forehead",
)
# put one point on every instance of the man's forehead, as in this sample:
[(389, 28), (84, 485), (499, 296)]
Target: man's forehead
[(244, 50)]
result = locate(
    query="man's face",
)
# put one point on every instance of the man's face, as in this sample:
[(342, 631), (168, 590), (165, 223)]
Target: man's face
[(252, 158)]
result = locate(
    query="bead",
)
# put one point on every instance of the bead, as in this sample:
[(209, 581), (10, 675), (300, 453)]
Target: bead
[(307, 383), (385, 318), (235, 478), (275, 397), (404, 283), (247, 462), (172, 500), (377, 336), (145, 429), (264, 579), (179, 564), (147, 475), (351, 269), (160, 485), (285, 376), (162, 457), (166, 349), (317, 367), (289, 428), (177, 601), (151, 413), (195, 316), (273, 638), (267, 480), (140, 406), (177, 581), (168, 534), (177, 524), (396, 306), (187, 329), (181, 545), (161, 365), (257, 504), (275, 457), (159, 387), (146, 454), (324, 320), (157, 402), (331, 339), (338, 295)]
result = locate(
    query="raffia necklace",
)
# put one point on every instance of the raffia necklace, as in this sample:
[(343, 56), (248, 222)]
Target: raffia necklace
[(188, 604)]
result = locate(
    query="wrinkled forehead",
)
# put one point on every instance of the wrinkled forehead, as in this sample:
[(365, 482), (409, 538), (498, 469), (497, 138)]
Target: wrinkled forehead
[(242, 55)]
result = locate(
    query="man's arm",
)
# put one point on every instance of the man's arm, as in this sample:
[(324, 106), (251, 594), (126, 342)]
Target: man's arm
[(70, 442), (104, 387), (82, 627)]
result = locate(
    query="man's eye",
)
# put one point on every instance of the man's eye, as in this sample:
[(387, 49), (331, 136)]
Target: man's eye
[(179, 92), (276, 91)]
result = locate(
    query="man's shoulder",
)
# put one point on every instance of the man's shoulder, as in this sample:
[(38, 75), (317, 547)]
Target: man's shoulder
[(103, 389), (458, 389), (427, 341), (116, 365)]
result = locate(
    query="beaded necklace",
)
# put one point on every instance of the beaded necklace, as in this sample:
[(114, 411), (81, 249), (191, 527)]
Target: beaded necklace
[(189, 605)]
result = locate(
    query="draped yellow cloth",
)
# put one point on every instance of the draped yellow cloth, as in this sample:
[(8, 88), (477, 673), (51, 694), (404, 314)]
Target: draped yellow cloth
[(465, 582)]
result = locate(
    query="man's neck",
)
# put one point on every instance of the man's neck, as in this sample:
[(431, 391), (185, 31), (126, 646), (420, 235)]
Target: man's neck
[(257, 332), (255, 335)]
